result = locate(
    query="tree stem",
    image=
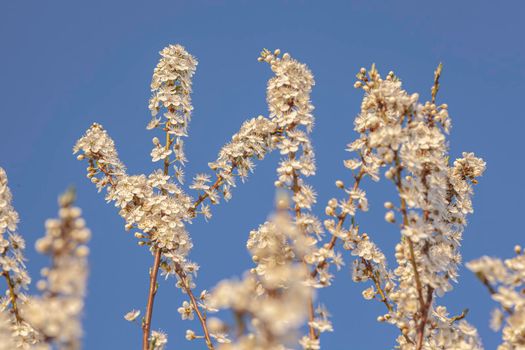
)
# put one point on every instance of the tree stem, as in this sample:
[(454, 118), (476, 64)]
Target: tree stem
[(146, 325), (13, 296)]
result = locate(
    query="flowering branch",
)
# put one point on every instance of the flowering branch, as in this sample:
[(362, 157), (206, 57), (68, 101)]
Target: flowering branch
[(255, 139), (12, 268), (396, 131)]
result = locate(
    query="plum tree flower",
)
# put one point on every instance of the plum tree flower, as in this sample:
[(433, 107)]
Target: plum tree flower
[(186, 311), (132, 315)]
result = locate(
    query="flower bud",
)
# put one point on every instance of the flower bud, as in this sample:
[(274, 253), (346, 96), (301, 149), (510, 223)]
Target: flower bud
[(390, 216)]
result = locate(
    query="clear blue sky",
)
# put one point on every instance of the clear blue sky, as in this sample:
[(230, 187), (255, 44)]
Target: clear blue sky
[(65, 64)]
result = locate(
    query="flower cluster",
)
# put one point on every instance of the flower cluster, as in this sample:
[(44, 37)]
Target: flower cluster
[(505, 280), (271, 301), (288, 93), (171, 87), (99, 149), (153, 204), (56, 314)]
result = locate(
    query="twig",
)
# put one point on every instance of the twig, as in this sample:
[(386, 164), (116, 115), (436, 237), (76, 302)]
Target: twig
[(424, 319), (205, 195), (374, 275), (13, 296), (491, 289), (461, 316), (202, 317), (435, 87), (146, 324)]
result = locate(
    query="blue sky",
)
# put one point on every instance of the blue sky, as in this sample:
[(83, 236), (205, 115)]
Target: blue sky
[(65, 64)]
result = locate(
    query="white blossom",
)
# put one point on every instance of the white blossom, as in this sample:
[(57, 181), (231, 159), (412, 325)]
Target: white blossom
[(132, 315)]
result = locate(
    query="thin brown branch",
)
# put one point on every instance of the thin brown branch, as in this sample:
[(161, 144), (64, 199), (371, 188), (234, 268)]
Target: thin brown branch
[(311, 317), (424, 319), (239, 320), (205, 195), (459, 317), (374, 275), (201, 316), (491, 289), (13, 296), (146, 324), (105, 171)]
